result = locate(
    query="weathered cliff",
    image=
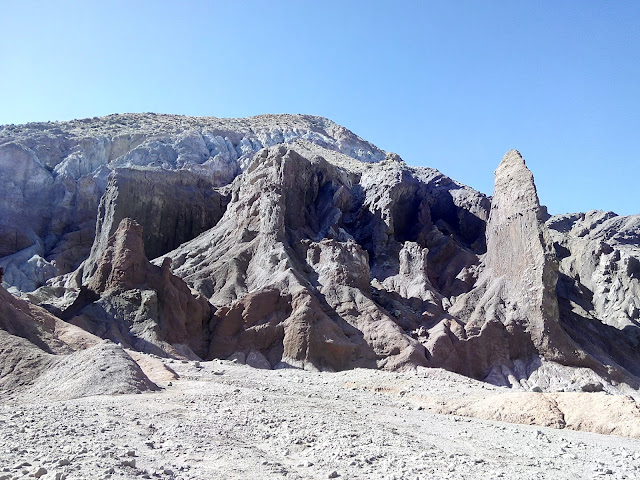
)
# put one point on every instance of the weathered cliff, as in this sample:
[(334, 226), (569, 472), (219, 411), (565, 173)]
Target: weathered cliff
[(54, 174), (276, 244)]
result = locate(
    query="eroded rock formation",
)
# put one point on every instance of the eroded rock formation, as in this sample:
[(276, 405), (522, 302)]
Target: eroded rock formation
[(288, 241), (140, 305), (171, 206), (54, 174), (42, 356), (599, 283), (512, 313)]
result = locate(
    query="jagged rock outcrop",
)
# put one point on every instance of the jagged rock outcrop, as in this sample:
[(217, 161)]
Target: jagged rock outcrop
[(291, 263), (278, 283), (171, 206), (54, 174), (600, 251), (140, 305), (512, 313), (515, 320), (599, 286), (302, 254)]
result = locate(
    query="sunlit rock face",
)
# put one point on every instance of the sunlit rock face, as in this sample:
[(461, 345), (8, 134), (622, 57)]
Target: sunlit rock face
[(55, 173), (599, 283), (288, 241)]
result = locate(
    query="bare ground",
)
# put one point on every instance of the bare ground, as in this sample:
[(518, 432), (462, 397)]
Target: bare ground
[(220, 420)]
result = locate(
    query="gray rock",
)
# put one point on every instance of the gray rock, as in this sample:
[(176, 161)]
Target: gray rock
[(306, 246), (238, 357), (592, 387), (54, 174), (39, 472), (128, 462), (599, 255), (258, 360)]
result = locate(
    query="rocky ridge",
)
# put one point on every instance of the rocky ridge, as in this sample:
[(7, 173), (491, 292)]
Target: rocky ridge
[(55, 173), (287, 250)]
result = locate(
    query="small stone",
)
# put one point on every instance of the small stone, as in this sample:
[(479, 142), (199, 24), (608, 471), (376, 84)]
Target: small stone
[(593, 387), (334, 474), (56, 476), (40, 472), (129, 463), (256, 359)]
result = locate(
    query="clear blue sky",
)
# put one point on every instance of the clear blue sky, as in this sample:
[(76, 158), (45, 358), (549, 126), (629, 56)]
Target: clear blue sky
[(448, 84)]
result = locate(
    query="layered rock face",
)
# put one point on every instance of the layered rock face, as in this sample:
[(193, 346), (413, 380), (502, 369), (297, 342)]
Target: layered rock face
[(599, 284), (54, 174), (42, 356), (322, 266), (140, 305), (301, 254), (171, 206)]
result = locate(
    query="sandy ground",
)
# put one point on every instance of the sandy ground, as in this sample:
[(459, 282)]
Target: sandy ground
[(221, 420)]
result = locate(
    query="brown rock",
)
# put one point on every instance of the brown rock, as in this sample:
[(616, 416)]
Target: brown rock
[(157, 308), (513, 311), (37, 350)]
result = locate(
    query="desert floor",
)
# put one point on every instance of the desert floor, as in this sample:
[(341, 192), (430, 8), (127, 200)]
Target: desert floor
[(221, 420)]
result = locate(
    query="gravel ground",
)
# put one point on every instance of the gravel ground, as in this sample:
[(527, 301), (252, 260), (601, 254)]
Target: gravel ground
[(221, 420)]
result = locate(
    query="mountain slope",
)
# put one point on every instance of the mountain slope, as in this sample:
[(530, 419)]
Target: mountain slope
[(296, 253)]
